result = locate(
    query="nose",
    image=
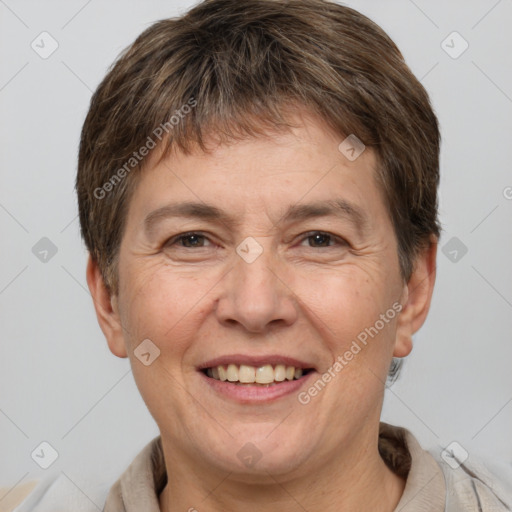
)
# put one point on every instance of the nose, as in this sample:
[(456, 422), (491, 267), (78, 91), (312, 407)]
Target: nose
[(256, 295)]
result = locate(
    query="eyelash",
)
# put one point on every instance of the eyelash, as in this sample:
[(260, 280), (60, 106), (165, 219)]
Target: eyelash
[(309, 234)]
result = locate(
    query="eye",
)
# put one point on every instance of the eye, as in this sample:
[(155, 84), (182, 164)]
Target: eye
[(322, 239), (193, 239), (188, 240)]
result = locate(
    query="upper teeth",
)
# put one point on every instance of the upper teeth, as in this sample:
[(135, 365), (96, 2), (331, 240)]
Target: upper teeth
[(247, 374)]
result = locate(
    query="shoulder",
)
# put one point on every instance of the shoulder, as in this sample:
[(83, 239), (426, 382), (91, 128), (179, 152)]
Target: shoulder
[(138, 483), (474, 481), (445, 479), (58, 491)]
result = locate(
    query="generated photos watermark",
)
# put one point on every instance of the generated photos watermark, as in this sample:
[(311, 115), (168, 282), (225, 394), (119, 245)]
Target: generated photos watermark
[(137, 156), (304, 397)]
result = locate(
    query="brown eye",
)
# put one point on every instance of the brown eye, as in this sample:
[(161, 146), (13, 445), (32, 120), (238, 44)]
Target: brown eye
[(188, 240), (318, 239), (192, 240)]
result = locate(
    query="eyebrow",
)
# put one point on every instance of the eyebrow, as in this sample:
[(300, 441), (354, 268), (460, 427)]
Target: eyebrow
[(340, 208)]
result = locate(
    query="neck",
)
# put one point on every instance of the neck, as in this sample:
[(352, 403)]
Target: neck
[(344, 481)]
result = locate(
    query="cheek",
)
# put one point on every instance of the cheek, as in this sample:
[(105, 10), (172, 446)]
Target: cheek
[(162, 305), (347, 306), (165, 307)]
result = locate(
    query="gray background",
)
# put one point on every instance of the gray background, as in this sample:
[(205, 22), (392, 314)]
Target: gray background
[(58, 381)]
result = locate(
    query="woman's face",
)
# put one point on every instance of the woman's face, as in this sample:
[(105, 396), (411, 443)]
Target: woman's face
[(289, 258)]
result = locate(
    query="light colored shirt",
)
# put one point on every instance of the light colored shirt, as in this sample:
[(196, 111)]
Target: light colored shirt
[(433, 484)]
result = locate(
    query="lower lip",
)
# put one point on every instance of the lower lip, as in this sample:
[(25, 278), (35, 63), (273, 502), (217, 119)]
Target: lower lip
[(257, 393)]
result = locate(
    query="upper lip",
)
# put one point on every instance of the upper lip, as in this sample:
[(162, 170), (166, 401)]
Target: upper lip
[(255, 361)]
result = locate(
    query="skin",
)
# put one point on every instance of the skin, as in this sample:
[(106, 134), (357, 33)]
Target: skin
[(301, 297)]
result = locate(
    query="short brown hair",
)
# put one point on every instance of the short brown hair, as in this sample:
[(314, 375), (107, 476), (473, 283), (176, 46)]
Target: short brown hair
[(241, 64)]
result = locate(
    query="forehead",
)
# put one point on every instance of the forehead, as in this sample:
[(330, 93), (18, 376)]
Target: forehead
[(295, 174)]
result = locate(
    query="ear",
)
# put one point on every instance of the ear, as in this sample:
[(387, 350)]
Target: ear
[(417, 296), (107, 310)]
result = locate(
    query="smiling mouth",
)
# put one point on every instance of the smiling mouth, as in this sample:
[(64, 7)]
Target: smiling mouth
[(265, 375)]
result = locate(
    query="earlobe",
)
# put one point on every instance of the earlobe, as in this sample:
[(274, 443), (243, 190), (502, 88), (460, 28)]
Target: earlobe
[(107, 310), (416, 299), (403, 338)]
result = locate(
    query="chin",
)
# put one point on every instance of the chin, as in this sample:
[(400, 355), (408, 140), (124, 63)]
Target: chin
[(260, 450)]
